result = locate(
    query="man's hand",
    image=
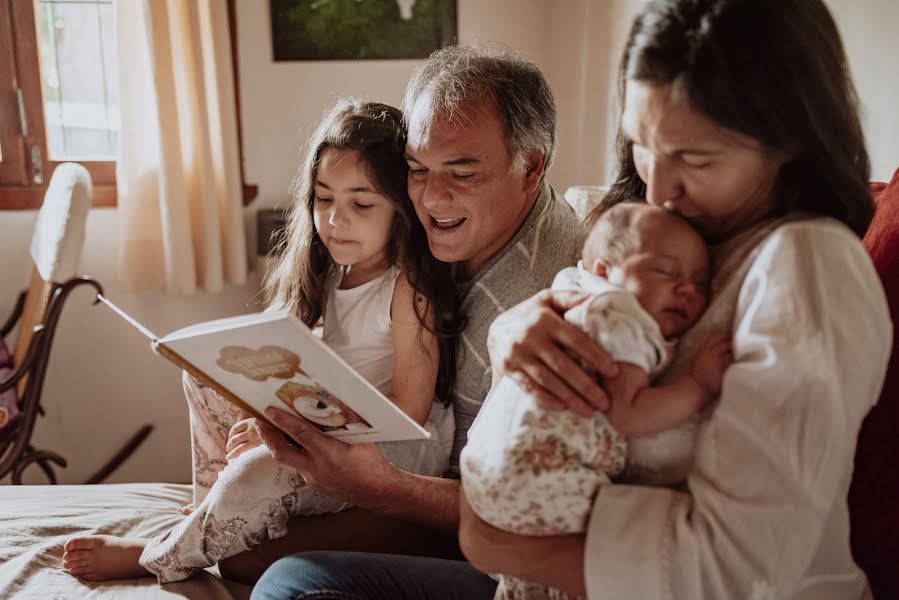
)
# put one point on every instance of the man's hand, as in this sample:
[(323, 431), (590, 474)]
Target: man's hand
[(532, 344), (352, 472), (242, 437)]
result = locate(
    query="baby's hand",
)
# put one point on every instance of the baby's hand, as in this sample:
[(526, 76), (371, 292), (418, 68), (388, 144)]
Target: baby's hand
[(711, 362)]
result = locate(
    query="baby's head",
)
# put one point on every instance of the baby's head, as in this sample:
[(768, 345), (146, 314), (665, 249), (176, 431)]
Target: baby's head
[(655, 255)]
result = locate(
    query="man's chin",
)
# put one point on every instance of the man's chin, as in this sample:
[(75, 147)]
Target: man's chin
[(447, 254)]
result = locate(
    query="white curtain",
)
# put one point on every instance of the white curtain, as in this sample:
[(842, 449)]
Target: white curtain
[(178, 170)]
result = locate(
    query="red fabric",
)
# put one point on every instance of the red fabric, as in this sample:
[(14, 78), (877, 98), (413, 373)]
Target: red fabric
[(874, 494)]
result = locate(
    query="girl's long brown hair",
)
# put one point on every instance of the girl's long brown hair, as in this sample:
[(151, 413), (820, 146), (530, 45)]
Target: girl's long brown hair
[(297, 281)]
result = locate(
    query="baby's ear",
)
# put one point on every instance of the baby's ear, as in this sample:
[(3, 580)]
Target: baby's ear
[(600, 268)]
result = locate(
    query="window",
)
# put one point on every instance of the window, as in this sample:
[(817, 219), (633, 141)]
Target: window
[(58, 96)]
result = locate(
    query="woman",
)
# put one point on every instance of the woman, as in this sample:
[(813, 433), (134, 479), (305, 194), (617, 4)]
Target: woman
[(741, 117)]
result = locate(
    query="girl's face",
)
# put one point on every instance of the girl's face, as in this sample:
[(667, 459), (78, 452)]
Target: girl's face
[(352, 219), (719, 180)]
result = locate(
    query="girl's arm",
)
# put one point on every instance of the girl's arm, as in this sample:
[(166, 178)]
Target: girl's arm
[(415, 353)]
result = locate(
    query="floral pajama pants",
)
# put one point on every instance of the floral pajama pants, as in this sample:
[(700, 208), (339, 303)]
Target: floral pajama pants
[(237, 504)]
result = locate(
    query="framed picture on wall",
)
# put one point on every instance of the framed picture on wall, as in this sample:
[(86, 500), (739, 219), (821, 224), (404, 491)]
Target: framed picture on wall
[(360, 29)]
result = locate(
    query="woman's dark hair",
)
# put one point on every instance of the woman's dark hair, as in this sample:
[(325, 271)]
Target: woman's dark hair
[(375, 132), (774, 70)]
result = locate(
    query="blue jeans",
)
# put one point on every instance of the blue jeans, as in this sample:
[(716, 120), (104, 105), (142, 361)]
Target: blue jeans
[(363, 576)]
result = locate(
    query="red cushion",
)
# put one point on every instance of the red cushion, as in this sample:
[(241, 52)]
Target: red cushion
[(874, 494)]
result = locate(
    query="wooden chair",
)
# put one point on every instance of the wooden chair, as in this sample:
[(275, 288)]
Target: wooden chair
[(55, 248)]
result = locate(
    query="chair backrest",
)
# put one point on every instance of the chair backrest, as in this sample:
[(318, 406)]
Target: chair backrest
[(874, 494), (55, 246)]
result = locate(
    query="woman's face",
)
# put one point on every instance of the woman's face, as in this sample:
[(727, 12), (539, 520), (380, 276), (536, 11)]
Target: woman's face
[(719, 180)]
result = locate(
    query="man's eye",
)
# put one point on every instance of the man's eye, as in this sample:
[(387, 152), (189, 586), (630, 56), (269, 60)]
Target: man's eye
[(463, 176), (417, 172)]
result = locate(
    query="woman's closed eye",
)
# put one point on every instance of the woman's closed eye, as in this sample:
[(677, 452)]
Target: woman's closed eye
[(362, 205), (321, 200), (694, 161)]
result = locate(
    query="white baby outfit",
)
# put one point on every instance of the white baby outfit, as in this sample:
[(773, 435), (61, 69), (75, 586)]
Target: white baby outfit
[(249, 500), (535, 471)]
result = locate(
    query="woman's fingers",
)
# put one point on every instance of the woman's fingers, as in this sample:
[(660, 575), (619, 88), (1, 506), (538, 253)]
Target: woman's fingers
[(534, 341), (552, 374)]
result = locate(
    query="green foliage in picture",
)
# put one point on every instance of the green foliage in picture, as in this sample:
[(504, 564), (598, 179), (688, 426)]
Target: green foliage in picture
[(360, 29)]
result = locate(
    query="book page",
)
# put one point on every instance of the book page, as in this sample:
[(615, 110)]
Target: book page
[(273, 359)]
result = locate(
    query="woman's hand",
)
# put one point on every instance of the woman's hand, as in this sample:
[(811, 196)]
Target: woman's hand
[(241, 437), (535, 346), (355, 473)]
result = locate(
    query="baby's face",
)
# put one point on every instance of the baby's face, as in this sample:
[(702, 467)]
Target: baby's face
[(668, 272)]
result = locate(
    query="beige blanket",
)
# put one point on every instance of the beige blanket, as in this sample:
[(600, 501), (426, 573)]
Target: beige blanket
[(36, 520)]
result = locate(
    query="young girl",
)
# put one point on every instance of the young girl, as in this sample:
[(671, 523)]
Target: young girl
[(355, 259)]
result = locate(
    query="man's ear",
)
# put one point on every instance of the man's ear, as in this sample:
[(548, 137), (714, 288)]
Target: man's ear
[(535, 165)]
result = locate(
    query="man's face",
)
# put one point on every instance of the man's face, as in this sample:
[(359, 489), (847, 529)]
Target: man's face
[(466, 192)]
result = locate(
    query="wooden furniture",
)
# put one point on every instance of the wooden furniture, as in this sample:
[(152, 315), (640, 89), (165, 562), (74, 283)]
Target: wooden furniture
[(55, 249)]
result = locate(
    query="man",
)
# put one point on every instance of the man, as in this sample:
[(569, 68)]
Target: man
[(481, 138)]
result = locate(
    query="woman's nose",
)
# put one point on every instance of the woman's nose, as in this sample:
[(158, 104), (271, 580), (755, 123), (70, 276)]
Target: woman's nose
[(663, 184)]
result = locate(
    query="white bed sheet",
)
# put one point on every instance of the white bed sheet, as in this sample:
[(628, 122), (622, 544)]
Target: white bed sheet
[(36, 520)]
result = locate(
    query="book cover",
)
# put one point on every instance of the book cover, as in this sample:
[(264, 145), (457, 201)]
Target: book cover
[(272, 359)]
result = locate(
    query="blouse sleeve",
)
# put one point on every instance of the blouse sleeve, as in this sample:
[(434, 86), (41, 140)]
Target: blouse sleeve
[(812, 337)]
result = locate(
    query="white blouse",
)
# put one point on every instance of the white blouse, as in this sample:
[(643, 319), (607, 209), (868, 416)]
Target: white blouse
[(766, 514)]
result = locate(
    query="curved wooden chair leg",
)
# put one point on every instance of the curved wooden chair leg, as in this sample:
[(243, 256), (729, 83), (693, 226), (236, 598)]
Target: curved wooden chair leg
[(42, 458), (121, 456)]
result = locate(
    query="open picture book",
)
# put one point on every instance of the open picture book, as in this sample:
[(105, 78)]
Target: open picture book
[(272, 359)]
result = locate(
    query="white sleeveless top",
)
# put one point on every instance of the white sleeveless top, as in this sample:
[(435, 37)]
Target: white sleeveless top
[(357, 326)]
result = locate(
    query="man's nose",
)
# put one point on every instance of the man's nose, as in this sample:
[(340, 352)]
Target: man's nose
[(663, 184), (435, 191)]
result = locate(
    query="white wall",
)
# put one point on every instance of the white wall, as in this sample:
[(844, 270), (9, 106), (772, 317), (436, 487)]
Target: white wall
[(104, 382), (869, 30)]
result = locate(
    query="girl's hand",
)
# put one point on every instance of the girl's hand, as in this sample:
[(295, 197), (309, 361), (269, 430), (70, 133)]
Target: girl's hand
[(242, 437), (355, 473), (534, 345)]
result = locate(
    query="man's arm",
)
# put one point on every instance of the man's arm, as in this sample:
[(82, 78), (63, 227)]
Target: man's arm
[(359, 474), (556, 561)]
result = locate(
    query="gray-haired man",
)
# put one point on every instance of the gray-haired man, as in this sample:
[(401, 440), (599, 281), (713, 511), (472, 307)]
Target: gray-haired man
[(481, 138)]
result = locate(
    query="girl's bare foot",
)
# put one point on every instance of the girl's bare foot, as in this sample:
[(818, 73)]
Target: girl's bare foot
[(104, 557)]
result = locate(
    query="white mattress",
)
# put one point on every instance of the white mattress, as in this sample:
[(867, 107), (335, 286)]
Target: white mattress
[(36, 520)]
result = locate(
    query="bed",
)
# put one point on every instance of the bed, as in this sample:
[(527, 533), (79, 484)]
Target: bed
[(35, 522)]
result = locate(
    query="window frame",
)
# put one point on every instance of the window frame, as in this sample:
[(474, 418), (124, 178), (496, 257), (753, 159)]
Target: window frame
[(20, 69)]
